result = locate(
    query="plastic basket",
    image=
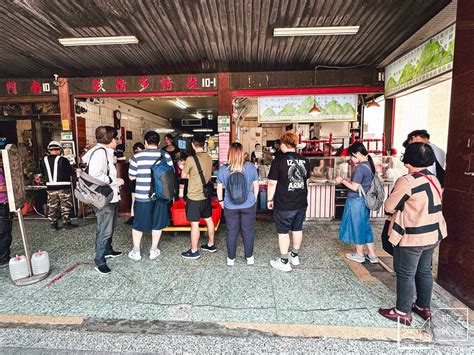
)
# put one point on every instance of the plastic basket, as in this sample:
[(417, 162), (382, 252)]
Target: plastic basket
[(178, 213)]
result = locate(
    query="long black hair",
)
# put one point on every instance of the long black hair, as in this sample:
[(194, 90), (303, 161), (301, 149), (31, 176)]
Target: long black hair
[(358, 147)]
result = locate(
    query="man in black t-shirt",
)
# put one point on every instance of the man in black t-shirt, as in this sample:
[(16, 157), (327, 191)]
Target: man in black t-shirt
[(287, 195)]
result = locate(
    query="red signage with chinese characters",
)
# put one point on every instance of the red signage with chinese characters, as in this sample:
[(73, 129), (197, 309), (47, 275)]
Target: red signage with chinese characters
[(144, 84), (27, 87)]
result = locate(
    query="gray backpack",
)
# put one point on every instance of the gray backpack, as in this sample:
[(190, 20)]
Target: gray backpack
[(92, 191), (375, 196)]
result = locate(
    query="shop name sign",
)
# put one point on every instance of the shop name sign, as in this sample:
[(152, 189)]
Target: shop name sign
[(292, 109), (143, 84), (429, 60), (22, 87)]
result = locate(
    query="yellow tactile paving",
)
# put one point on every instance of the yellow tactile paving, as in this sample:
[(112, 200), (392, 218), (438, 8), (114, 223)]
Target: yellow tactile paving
[(343, 332), (48, 320)]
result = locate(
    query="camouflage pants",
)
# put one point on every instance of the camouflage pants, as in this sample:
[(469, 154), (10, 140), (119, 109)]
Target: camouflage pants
[(59, 201)]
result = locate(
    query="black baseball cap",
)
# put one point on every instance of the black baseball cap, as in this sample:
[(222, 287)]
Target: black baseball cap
[(416, 133)]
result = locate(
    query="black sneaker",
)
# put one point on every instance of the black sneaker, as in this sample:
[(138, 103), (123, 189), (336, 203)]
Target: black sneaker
[(190, 255), (4, 264), (113, 254), (103, 269), (129, 221), (210, 249), (54, 226), (69, 226)]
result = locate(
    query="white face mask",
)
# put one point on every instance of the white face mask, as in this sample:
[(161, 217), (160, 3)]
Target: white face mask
[(181, 166), (354, 160)]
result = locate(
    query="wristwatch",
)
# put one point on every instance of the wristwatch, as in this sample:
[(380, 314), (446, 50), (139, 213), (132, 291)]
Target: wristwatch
[(221, 200)]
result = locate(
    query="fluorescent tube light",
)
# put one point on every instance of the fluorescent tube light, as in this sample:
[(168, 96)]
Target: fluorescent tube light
[(187, 135), (197, 115), (315, 31), (163, 130), (203, 130), (98, 41), (180, 104)]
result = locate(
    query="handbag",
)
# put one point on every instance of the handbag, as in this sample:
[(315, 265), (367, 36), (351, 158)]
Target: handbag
[(207, 187), (92, 191), (386, 245)]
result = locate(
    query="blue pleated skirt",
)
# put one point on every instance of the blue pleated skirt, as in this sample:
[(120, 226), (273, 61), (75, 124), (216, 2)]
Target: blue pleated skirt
[(355, 226)]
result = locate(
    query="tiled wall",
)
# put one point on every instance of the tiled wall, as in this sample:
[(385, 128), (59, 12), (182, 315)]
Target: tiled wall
[(135, 120)]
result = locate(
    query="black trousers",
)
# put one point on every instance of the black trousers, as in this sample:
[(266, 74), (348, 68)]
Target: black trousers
[(413, 268), (5, 232)]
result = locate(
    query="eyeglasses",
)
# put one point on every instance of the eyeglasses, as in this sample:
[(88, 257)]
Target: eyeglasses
[(401, 157)]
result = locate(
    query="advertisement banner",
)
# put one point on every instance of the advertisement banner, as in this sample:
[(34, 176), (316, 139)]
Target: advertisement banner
[(431, 59), (293, 109)]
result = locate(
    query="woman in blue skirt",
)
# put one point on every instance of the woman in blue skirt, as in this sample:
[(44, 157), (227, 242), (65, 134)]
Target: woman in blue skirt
[(355, 226)]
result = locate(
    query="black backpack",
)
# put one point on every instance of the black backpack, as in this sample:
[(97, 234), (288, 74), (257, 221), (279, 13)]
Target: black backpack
[(237, 187)]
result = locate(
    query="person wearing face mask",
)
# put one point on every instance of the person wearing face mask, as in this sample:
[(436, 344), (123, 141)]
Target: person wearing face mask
[(415, 226), (355, 227)]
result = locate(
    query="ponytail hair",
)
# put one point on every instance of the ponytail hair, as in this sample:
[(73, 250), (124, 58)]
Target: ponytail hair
[(358, 147)]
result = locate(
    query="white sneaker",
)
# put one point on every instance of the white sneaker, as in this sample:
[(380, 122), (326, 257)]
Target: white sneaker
[(230, 262), (134, 256), (251, 260), (277, 264), (154, 254), (355, 257), (294, 260)]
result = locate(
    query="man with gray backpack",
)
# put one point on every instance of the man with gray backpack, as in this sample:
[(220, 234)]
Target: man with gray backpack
[(153, 171), (100, 167), (240, 181)]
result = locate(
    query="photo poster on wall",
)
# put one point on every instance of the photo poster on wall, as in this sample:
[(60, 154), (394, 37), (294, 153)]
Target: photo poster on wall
[(295, 109), (13, 171)]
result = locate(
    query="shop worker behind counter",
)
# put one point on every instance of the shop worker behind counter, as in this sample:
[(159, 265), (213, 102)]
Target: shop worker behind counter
[(58, 172), (197, 204), (287, 195), (100, 160)]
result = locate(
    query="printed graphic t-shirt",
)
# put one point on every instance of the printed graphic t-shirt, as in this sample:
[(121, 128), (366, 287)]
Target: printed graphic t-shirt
[(195, 190), (291, 191)]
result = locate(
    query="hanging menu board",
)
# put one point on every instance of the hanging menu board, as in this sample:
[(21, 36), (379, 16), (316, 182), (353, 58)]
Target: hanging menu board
[(425, 62), (293, 109)]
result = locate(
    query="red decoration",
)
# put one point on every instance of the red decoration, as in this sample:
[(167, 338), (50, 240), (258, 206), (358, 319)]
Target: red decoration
[(11, 88), (166, 83), (144, 83), (35, 87), (98, 85), (191, 82), (120, 84)]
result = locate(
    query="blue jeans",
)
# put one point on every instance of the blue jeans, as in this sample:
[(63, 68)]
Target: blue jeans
[(413, 268), (355, 223), (106, 222), (240, 219)]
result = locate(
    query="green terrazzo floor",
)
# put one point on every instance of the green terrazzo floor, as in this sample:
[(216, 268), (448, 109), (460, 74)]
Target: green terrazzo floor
[(323, 291)]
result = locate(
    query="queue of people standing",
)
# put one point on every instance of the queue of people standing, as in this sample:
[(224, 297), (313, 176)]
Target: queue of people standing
[(414, 226)]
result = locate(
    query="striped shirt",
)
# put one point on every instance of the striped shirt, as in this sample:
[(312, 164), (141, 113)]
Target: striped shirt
[(140, 168)]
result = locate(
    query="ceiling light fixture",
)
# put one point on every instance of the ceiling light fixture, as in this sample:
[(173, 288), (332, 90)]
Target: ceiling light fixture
[(314, 110), (97, 41), (203, 130), (197, 115), (315, 31), (180, 104), (373, 103)]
